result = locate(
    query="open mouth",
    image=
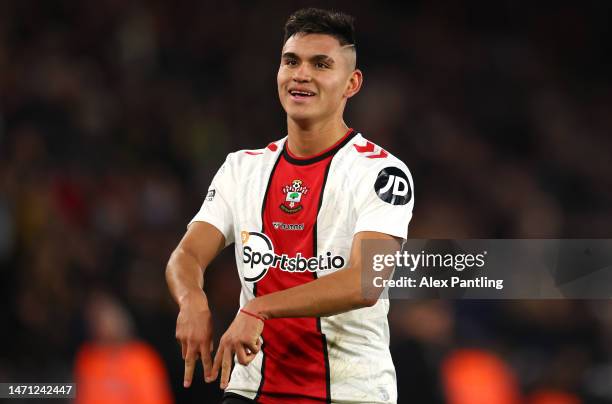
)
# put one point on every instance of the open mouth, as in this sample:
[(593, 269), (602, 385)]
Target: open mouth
[(301, 93)]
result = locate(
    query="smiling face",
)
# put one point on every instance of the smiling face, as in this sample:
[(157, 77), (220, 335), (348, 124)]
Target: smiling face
[(316, 77)]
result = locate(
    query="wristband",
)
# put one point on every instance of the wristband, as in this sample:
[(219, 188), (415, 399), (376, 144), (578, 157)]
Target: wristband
[(248, 313)]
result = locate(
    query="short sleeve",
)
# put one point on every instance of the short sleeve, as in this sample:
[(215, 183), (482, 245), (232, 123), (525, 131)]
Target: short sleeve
[(217, 208), (384, 200)]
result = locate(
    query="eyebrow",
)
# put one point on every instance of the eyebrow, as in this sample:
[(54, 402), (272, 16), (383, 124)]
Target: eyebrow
[(316, 58)]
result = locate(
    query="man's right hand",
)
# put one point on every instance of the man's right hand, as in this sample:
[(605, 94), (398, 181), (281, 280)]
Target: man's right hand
[(194, 331), (185, 276)]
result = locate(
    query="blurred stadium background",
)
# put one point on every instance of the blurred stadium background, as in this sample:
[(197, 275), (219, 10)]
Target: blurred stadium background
[(114, 116)]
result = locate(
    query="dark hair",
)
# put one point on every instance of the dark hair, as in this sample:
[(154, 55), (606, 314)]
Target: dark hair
[(318, 21)]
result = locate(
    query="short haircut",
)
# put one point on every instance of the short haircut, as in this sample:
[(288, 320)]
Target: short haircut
[(318, 21)]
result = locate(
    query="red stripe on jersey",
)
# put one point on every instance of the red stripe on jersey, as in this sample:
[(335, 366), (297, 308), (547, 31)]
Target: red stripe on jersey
[(295, 366), (294, 352)]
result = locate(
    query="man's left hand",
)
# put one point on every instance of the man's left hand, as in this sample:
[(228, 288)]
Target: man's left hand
[(241, 338)]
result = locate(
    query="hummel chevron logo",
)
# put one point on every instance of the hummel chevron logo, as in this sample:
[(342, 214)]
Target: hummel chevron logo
[(369, 151), (369, 147)]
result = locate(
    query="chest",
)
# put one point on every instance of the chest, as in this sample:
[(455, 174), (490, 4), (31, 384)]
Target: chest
[(291, 199)]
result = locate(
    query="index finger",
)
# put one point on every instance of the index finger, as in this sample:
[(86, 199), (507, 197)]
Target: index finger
[(206, 361), (226, 368), (189, 368), (217, 362)]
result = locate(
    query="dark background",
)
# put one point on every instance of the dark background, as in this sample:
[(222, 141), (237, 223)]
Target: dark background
[(115, 115)]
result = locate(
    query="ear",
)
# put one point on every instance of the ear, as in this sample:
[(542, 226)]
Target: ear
[(354, 83)]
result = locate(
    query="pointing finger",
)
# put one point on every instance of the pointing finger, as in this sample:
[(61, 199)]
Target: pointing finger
[(217, 363), (189, 368), (226, 368), (206, 363)]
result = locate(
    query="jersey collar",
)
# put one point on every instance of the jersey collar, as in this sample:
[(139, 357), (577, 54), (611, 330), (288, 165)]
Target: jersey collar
[(302, 161)]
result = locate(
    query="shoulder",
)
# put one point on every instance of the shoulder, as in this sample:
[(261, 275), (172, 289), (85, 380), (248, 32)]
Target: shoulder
[(372, 170), (366, 157), (247, 159)]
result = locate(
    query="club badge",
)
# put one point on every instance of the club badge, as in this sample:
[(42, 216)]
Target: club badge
[(293, 197)]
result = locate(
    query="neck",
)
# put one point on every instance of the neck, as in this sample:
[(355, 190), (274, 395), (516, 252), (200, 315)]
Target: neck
[(306, 140)]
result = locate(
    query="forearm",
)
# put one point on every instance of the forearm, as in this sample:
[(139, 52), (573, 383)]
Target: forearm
[(326, 296), (184, 276), (186, 266)]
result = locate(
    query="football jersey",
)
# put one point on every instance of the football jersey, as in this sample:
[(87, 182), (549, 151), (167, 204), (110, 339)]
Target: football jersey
[(292, 220)]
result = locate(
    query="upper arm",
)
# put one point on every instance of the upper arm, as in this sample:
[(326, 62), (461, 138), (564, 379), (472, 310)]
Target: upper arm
[(216, 208), (202, 241), (365, 245), (366, 242), (212, 228), (384, 199)]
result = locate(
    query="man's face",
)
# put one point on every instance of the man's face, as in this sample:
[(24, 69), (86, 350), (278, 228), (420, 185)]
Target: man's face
[(316, 76)]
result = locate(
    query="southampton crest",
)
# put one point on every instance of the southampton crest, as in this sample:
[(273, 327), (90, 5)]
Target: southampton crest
[(293, 196)]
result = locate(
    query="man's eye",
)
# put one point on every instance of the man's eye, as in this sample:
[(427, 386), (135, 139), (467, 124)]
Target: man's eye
[(291, 62), (321, 65)]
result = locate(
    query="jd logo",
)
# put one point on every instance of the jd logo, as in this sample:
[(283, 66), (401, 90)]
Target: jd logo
[(392, 186)]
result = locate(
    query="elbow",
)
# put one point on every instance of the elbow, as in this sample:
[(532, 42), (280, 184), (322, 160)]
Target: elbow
[(368, 301), (364, 295), (367, 296), (168, 272), (171, 266)]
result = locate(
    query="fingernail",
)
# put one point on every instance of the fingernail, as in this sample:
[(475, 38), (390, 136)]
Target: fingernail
[(185, 384)]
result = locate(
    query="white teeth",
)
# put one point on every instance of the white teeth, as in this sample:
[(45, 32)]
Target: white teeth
[(304, 93)]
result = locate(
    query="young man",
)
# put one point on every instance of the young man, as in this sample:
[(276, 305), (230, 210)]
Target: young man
[(297, 211)]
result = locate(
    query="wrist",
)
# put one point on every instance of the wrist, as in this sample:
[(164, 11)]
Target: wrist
[(255, 307), (248, 313), (195, 298)]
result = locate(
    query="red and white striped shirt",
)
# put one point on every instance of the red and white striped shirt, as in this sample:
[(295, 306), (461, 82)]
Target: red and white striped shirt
[(293, 220)]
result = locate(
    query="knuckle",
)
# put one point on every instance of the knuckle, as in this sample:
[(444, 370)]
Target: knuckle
[(193, 339)]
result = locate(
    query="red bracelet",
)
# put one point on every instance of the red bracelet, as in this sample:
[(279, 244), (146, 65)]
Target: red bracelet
[(248, 313)]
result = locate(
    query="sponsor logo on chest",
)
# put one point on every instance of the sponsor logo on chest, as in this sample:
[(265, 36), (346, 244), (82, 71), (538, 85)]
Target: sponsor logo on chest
[(258, 256)]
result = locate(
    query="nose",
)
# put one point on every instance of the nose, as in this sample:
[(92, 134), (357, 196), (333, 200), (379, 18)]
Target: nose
[(301, 74)]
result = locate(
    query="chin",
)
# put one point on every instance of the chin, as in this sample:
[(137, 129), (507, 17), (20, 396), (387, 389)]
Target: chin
[(300, 116)]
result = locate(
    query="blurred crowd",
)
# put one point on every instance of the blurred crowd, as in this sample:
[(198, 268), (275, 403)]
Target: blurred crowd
[(115, 115)]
